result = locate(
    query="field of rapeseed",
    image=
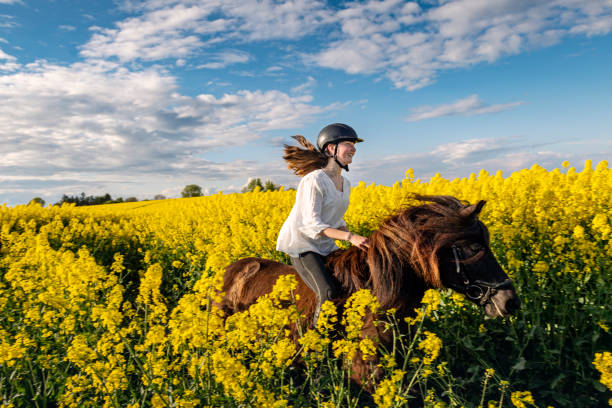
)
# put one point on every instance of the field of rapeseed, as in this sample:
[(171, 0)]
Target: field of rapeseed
[(113, 305)]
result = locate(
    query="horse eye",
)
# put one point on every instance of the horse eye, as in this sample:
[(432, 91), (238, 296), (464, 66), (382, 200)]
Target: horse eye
[(475, 248)]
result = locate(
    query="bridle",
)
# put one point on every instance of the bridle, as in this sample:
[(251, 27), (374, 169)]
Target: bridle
[(477, 290)]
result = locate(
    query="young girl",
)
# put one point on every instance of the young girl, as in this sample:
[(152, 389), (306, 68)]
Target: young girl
[(317, 217)]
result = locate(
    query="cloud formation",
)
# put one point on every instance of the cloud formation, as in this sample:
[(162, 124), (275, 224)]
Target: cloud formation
[(405, 42), (459, 159), (106, 120), (410, 44), (117, 117), (5, 56), (177, 29), (227, 58), (470, 106)]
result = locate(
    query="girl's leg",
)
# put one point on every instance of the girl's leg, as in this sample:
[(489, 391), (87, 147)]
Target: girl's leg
[(312, 270)]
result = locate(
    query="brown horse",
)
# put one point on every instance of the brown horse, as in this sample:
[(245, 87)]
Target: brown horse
[(438, 244)]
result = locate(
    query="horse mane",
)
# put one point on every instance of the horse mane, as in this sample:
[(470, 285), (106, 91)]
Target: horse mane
[(303, 161), (409, 240)]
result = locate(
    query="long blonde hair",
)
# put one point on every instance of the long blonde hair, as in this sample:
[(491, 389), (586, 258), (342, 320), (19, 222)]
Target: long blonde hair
[(303, 161)]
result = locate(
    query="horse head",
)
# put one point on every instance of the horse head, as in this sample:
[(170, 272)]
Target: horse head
[(469, 267), (445, 244)]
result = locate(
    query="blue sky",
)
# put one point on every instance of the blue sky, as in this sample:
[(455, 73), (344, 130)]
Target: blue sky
[(141, 97)]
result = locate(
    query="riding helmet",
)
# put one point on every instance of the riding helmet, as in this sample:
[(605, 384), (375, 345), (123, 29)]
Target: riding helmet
[(336, 133)]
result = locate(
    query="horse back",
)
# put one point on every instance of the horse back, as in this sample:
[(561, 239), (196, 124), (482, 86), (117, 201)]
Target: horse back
[(249, 278)]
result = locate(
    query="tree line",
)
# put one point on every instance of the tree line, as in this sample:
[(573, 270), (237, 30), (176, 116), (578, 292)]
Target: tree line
[(190, 190), (82, 199), (193, 190)]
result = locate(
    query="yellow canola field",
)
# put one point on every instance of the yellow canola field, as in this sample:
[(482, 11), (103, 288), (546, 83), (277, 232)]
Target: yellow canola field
[(111, 305)]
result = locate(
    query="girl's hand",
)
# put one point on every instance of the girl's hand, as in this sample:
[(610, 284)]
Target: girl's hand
[(358, 241)]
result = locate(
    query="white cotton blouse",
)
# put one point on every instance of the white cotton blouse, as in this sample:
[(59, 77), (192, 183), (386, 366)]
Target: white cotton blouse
[(318, 205)]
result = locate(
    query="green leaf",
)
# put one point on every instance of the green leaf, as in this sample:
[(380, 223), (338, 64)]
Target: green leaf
[(520, 365), (555, 381), (599, 386)]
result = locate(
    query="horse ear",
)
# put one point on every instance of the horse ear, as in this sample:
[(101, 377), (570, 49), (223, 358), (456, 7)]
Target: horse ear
[(473, 210)]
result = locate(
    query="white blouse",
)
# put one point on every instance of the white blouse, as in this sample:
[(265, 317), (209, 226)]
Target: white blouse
[(318, 205)]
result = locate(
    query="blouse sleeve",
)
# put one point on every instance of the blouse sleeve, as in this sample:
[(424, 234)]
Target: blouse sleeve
[(310, 199)]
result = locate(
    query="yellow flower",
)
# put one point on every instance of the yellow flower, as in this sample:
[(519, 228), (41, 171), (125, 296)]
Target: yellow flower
[(356, 308), (520, 398), (328, 316), (281, 353), (603, 363), (367, 347), (431, 345), (313, 341), (431, 299), (387, 392)]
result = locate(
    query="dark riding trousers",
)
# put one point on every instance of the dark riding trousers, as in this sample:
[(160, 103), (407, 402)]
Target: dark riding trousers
[(311, 268)]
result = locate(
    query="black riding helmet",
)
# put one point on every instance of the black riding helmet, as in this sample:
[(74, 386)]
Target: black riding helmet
[(334, 134)]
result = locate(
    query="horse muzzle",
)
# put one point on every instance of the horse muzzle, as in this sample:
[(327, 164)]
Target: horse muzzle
[(504, 303)]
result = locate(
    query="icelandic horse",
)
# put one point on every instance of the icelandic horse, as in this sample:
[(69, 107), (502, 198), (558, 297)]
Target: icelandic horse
[(438, 244)]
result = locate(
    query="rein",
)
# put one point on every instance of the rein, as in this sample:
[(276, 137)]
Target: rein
[(477, 290)]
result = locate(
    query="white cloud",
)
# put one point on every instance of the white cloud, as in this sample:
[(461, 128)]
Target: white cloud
[(7, 21), (159, 34), (5, 56), (460, 159), (269, 19), (8, 62), (101, 122), (470, 106), (411, 45), (67, 28), (179, 29), (230, 57), (462, 150), (306, 87), (407, 44)]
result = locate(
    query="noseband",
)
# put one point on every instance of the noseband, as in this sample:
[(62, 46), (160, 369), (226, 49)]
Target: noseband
[(477, 290)]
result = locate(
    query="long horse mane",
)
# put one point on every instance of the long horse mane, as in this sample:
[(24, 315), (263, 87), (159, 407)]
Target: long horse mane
[(409, 240)]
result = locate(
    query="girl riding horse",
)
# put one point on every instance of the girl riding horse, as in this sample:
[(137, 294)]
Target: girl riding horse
[(317, 217)]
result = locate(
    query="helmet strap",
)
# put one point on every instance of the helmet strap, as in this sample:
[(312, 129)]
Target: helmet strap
[(343, 166)]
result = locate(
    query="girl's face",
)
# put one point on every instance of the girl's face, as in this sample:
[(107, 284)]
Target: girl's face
[(346, 151)]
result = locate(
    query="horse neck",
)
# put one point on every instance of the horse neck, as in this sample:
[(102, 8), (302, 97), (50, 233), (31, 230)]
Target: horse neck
[(395, 284), (350, 269)]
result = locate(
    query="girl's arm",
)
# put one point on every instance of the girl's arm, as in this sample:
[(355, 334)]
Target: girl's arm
[(345, 235)]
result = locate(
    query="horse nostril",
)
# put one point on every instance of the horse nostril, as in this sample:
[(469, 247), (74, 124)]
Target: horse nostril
[(513, 304)]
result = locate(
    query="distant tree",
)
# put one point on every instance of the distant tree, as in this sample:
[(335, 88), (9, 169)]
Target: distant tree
[(256, 182), (37, 200), (131, 199), (159, 197), (270, 186), (191, 190)]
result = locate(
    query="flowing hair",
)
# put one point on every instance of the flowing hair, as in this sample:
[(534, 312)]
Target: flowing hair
[(303, 161)]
